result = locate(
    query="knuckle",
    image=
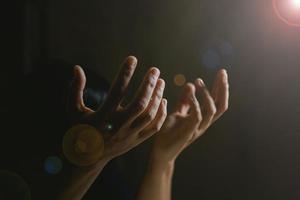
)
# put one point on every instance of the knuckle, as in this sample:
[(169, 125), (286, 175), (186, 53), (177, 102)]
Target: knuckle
[(224, 108), (212, 111), (159, 95), (198, 117), (141, 105), (126, 75), (150, 82), (156, 128), (128, 71), (149, 116), (164, 113)]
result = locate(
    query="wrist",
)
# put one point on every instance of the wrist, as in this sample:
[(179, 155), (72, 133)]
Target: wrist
[(161, 165), (162, 157), (95, 168), (102, 162)]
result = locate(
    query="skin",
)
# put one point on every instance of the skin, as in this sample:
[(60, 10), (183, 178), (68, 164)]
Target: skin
[(133, 123), (187, 123)]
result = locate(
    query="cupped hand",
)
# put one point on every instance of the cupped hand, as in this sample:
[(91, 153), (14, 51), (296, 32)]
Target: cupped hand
[(191, 119), (130, 124)]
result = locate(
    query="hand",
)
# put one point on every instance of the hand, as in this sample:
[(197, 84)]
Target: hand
[(190, 120), (133, 123)]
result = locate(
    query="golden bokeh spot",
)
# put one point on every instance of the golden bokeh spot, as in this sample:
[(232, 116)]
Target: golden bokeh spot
[(80, 146), (83, 145), (179, 79)]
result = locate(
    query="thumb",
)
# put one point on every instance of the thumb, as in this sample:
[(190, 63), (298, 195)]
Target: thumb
[(77, 89)]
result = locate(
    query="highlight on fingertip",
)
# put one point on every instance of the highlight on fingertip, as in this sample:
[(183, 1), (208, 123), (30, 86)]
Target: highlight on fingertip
[(77, 68), (155, 71), (223, 71), (161, 83), (131, 60), (190, 87), (165, 101), (224, 74), (200, 82)]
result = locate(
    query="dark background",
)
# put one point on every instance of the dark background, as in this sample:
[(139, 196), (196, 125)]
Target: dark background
[(252, 152)]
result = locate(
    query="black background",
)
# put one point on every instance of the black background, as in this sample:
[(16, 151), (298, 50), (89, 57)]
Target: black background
[(252, 152)]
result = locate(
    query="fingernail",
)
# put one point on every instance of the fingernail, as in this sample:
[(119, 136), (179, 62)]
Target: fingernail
[(161, 83), (165, 102), (200, 82), (131, 60), (155, 71)]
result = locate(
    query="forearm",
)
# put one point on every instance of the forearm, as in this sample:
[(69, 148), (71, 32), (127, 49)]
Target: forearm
[(81, 181), (157, 181)]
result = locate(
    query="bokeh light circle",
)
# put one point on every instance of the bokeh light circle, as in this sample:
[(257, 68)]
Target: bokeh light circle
[(211, 59), (288, 11), (179, 79), (83, 145), (226, 49), (297, 3), (53, 165), (218, 53), (13, 186)]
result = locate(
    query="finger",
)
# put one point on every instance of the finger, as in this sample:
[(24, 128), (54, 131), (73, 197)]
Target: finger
[(183, 105), (222, 94), (194, 119), (195, 115), (120, 85), (143, 96), (208, 107), (149, 114), (215, 88), (77, 88), (157, 123)]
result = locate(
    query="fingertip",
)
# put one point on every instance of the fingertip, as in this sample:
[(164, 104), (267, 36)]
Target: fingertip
[(161, 82), (223, 70), (78, 72), (79, 77), (154, 71), (131, 61), (165, 106), (190, 88), (199, 82), (223, 74), (132, 58), (76, 68), (165, 101)]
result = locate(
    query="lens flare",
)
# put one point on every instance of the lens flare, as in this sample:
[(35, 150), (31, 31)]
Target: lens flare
[(83, 145), (13, 186), (288, 11), (296, 4), (179, 79), (53, 165), (211, 59)]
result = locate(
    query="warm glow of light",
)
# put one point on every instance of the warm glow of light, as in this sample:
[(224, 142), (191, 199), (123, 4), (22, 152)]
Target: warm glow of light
[(288, 11), (296, 3), (179, 79)]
